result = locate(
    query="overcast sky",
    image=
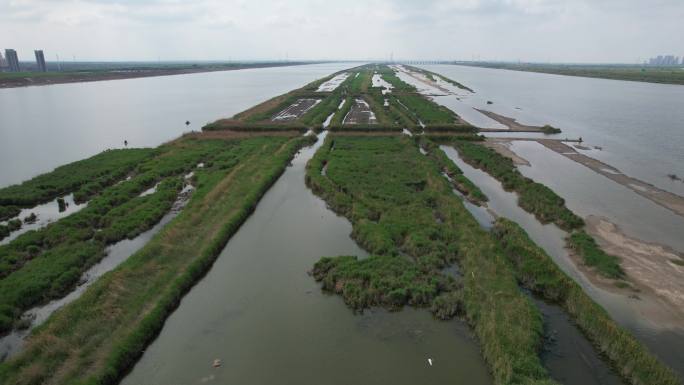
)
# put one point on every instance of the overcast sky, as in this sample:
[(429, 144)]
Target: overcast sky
[(531, 30)]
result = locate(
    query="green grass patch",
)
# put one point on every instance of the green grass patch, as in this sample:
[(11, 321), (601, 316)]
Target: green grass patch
[(533, 197), (585, 246), (404, 212), (447, 166), (44, 264), (84, 177), (95, 339), (536, 271), (638, 73)]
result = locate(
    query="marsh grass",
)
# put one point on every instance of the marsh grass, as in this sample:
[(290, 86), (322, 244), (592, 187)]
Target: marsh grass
[(95, 339), (536, 271), (405, 214), (533, 197), (586, 247)]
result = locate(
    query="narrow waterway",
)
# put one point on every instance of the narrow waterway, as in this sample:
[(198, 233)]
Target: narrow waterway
[(627, 311), (45, 213), (568, 355), (115, 254), (268, 322)]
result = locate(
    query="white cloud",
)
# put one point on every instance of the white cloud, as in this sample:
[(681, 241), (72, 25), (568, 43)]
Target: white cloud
[(558, 30)]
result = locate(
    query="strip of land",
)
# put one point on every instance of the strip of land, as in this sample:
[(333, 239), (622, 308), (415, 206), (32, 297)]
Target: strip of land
[(405, 214), (637, 73), (666, 199), (653, 271), (398, 192), (651, 267), (96, 338), (25, 79), (513, 125)]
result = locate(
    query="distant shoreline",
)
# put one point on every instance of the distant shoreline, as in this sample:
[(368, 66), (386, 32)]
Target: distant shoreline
[(635, 73), (8, 80)]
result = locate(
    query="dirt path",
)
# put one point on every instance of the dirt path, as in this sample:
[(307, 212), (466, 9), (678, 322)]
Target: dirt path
[(512, 124)]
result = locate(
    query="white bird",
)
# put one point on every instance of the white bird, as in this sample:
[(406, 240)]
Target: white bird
[(430, 361)]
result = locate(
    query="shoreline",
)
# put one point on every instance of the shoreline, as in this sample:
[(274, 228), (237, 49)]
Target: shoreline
[(663, 198), (512, 123), (666, 199), (629, 72), (95, 76), (652, 275)]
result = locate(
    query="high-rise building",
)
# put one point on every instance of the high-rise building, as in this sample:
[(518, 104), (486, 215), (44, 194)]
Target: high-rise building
[(12, 60), (40, 60), (665, 60)]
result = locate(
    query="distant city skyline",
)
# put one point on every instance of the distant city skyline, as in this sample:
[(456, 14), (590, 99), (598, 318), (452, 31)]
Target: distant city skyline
[(609, 31)]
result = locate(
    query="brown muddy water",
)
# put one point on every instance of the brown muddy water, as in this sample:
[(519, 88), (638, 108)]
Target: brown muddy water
[(268, 322), (667, 344)]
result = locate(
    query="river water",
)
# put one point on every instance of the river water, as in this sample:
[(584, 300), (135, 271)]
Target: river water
[(638, 125), (630, 313), (268, 322), (47, 126)]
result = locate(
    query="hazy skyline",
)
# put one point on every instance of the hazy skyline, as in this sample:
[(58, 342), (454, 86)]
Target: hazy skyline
[(531, 30)]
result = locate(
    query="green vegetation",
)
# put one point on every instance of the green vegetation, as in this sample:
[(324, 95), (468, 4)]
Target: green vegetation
[(92, 71), (415, 105), (536, 271), (360, 81), (98, 337), (317, 115), (7, 212), (458, 180), (6, 229), (533, 197), (84, 177), (388, 281), (41, 265), (585, 246), (548, 129), (405, 107), (431, 75), (638, 73), (404, 212)]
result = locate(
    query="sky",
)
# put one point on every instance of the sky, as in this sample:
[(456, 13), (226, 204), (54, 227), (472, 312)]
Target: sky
[(608, 31)]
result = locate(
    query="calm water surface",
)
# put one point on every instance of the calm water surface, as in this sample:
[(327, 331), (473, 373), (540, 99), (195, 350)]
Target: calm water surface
[(668, 345), (269, 322), (44, 127), (639, 125)]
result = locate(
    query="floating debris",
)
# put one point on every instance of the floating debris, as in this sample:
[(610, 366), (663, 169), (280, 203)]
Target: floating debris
[(216, 363)]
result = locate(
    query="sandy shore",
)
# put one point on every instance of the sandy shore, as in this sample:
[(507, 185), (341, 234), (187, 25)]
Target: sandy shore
[(512, 124), (655, 272), (503, 147), (652, 270), (666, 199), (423, 79)]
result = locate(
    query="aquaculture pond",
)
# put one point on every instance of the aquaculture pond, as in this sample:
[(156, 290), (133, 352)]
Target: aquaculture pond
[(258, 317)]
